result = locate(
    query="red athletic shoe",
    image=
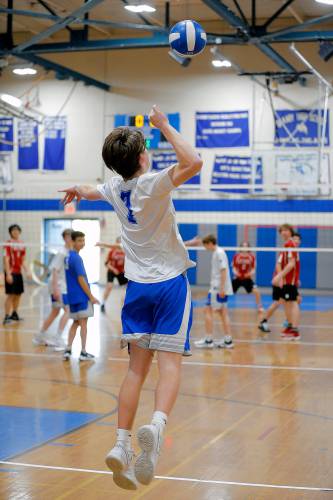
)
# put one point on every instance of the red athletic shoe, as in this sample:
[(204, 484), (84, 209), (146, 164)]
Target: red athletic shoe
[(287, 332), (295, 335)]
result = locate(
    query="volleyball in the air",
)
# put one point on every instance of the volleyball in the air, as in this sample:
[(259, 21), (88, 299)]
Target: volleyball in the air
[(187, 38)]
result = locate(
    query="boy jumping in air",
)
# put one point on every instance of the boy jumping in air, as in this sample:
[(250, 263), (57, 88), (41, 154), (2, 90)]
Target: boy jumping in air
[(220, 290), (79, 296), (156, 316)]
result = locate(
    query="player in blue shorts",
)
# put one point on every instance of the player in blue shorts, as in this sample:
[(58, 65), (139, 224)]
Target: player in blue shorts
[(79, 296), (217, 300), (157, 312)]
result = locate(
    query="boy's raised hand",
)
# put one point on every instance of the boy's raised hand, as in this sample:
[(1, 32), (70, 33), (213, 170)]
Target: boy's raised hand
[(71, 194), (157, 117)]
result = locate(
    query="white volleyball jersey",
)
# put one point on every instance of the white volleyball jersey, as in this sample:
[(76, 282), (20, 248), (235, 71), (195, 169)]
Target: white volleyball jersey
[(58, 263), (219, 262), (154, 249)]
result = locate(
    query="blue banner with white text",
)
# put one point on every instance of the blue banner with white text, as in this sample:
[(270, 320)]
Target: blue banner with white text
[(301, 128), (229, 170), (27, 145), (165, 159), (6, 134), (55, 142), (227, 129)]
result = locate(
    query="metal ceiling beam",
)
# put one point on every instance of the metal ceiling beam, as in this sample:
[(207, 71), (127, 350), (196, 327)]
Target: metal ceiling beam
[(223, 11), (53, 12), (64, 72), (304, 36), (277, 13), (158, 40), (270, 37), (240, 12), (59, 25), (275, 56), (88, 22)]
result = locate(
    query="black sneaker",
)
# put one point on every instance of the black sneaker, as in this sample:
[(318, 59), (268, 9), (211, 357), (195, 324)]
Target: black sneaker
[(103, 308), (67, 355), (7, 320), (15, 316), (85, 356), (263, 327)]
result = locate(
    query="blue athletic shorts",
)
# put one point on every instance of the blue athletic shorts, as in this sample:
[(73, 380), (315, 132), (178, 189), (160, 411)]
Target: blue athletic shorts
[(215, 301), (57, 304), (81, 310), (158, 316)]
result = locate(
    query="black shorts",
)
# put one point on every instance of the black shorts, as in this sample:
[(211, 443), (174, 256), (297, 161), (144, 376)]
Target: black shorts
[(15, 288), (276, 293), (120, 277), (289, 293), (247, 283)]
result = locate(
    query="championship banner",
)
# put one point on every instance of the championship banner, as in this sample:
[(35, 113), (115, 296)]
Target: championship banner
[(301, 127), (154, 137), (165, 159), (237, 170), (228, 129), (27, 145), (6, 134), (55, 140)]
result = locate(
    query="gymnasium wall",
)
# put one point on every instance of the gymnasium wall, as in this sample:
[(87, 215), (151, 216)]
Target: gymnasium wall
[(136, 85)]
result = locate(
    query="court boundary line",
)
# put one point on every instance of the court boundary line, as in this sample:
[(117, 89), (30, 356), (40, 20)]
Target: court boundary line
[(175, 478), (236, 365)]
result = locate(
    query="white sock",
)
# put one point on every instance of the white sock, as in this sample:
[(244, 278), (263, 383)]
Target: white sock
[(228, 338), (124, 437), (159, 418)]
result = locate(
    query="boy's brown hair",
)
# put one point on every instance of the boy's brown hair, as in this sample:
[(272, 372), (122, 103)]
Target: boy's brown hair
[(210, 238), (288, 227), (77, 234), (122, 149)]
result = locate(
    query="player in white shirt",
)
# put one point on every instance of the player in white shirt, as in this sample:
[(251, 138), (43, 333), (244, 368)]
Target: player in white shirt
[(157, 312), (58, 292), (220, 290)]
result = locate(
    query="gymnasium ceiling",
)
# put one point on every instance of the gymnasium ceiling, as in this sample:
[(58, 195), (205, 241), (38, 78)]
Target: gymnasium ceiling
[(36, 31)]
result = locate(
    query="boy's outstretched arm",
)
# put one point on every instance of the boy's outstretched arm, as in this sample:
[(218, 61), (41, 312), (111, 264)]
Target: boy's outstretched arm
[(189, 162), (79, 192)]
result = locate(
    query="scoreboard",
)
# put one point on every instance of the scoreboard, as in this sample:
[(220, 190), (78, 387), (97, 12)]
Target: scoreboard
[(154, 138)]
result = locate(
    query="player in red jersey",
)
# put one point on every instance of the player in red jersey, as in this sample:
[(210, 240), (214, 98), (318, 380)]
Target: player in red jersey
[(244, 268), (115, 264), (287, 278), (277, 296), (14, 262)]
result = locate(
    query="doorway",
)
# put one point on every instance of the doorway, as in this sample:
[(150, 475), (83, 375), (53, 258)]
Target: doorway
[(90, 254)]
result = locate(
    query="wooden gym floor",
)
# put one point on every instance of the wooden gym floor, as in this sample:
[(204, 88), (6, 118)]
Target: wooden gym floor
[(255, 423)]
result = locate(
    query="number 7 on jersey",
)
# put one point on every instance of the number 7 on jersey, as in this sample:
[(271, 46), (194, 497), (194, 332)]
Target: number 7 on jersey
[(126, 198)]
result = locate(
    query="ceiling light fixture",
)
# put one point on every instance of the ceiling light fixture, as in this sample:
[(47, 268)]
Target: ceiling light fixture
[(327, 2), (221, 63), (141, 8), (24, 71), (10, 99)]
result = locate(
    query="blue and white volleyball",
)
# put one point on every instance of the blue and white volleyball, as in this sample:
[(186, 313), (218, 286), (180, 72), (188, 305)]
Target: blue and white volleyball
[(187, 38)]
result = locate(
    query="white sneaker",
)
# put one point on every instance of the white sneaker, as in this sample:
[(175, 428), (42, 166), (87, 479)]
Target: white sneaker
[(225, 343), (204, 343), (119, 460), (39, 339), (150, 442), (60, 344)]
